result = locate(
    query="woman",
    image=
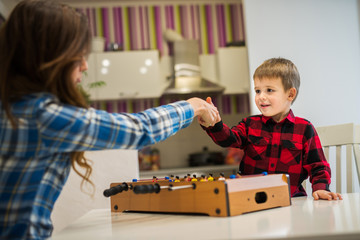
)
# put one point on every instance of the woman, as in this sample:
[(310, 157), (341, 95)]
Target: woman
[(45, 123)]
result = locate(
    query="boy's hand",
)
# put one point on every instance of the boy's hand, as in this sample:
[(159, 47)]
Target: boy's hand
[(218, 118), (206, 113), (326, 195)]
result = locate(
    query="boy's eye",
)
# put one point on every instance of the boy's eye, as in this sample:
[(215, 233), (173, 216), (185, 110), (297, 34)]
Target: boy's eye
[(257, 91), (270, 90)]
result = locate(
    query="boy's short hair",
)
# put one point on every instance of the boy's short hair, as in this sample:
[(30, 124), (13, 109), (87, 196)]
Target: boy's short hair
[(280, 68)]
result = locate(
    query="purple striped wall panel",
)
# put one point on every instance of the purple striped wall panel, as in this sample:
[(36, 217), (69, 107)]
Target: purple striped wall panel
[(141, 29), (158, 29), (209, 25), (106, 30)]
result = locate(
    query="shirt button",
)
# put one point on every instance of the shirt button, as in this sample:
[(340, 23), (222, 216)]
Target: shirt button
[(277, 127), (275, 145), (272, 165)]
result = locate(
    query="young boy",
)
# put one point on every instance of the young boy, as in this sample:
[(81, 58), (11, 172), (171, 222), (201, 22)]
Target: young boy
[(276, 141)]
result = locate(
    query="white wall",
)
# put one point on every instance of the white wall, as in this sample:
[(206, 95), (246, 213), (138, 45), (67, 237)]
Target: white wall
[(322, 39), (109, 166), (6, 7)]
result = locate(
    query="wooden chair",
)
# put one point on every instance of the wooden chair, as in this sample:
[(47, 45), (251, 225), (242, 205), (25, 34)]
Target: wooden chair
[(334, 139)]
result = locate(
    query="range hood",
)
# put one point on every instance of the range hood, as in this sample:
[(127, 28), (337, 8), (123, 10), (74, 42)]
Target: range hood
[(204, 86), (187, 73)]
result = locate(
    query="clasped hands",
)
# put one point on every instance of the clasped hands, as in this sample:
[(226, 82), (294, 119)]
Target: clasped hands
[(205, 111)]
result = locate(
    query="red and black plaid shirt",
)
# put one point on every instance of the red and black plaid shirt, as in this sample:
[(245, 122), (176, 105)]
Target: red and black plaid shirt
[(291, 146)]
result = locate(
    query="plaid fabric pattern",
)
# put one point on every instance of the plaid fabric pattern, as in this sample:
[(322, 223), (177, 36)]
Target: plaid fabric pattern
[(35, 157), (291, 146)]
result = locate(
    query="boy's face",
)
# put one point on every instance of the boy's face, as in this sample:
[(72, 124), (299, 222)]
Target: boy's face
[(271, 98)]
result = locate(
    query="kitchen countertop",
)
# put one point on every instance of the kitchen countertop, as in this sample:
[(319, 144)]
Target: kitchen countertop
[(304, 219)]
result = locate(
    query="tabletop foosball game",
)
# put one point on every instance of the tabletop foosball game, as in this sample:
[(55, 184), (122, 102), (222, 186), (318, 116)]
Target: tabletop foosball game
[(219, 197)]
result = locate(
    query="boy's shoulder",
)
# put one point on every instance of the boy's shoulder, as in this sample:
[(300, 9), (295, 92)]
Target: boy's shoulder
[(303, 122), (300, 120)]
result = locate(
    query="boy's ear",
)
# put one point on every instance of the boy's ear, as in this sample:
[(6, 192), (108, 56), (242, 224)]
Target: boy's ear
[(292, 94)]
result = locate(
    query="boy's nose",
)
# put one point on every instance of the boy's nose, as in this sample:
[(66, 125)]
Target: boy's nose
[(262, 95)]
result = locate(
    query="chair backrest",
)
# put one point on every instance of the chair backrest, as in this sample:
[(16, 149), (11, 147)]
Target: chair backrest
[(344, 136)]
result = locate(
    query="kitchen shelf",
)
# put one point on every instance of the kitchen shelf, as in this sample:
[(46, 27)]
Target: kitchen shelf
[(181, 172)]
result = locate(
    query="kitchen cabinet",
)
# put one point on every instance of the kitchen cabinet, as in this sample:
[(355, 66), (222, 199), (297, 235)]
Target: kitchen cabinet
[(233, 69), (127, 75)]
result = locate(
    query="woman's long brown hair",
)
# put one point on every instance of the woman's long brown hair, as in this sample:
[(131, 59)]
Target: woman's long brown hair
[(41, 43)]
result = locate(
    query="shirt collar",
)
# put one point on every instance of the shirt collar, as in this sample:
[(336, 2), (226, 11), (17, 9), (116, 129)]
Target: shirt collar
[(290, 117)]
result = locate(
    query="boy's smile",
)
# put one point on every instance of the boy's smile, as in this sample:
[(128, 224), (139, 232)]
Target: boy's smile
[(271, 98)]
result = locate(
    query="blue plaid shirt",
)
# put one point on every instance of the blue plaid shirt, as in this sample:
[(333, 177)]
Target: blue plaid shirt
[(35, 157)]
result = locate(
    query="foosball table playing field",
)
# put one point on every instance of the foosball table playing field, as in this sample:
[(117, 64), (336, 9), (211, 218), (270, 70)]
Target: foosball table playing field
[(220, 197)]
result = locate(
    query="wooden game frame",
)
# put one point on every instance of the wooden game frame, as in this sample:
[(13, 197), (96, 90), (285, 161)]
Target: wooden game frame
[(229, 197)]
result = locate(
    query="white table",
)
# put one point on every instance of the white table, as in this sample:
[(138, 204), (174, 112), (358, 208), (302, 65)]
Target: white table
[(305, 218)]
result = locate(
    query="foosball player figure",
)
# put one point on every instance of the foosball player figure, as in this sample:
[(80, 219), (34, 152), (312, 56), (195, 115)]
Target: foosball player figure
[(188, 178), (154, 179), (177, 179), (222, 177), (210, 178), (171, 178), (203, 178), (194, 179), (238, 174)]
